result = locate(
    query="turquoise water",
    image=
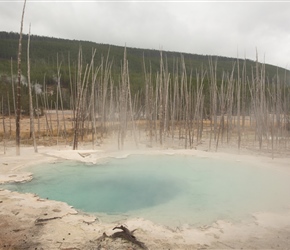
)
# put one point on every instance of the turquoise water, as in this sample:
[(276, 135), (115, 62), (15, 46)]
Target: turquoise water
[(171, 190)]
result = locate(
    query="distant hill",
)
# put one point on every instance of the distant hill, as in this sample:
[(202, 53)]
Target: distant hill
[(44, 52)]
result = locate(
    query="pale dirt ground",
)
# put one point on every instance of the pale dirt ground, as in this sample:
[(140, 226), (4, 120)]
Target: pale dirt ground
[(28, 222)]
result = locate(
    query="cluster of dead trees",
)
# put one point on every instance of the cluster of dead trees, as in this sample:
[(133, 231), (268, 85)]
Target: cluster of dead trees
[(173, 107)]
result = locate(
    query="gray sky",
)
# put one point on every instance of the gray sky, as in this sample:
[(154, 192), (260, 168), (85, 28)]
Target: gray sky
[(225, 28)]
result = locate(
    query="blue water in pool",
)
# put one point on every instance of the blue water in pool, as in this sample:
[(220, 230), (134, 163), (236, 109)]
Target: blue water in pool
[(171, 190)]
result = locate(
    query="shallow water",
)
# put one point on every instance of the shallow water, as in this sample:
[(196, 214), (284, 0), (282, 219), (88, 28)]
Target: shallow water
[(171, 190)]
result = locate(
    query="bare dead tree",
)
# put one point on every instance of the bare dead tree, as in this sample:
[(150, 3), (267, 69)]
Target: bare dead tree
[(166, 82), (161, 100), (149, 104), (174, 111), (3, 124), (18, 100), (123, 102), (230, 102), (9, 115), (199, 101), (38, 114), (222, 102), (92, 103), (213, 100), (13, 89), (31, 112), (81, 81), (238, 86), (44, 100), (132, 112)]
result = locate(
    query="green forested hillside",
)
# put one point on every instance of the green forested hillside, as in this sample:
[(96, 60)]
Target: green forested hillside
[(46, 52)]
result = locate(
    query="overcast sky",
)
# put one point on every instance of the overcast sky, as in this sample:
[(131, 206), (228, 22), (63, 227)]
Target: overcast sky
[(224, 28)]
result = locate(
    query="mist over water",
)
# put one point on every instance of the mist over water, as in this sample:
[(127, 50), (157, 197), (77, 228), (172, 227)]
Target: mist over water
[(171, 190)]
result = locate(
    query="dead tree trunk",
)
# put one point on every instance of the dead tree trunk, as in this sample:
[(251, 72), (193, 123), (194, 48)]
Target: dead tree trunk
[(80, 88), (32, 131), (213, 100), (18, 100), (123, 103), (131, 109), (4, 129), (13, 90)]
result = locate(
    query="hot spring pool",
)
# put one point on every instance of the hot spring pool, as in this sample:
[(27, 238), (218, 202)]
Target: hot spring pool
[(170, 190)]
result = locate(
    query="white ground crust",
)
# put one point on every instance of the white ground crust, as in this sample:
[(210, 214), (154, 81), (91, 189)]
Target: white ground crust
[(27, 220)]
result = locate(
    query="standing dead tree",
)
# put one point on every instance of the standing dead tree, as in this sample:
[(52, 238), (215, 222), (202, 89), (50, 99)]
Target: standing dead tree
[(78, 103), (213, 100), (81, 107), (132, 111), (238, 86), (4, 129), (59, 95), (31, 112), (18, 99), (92, 103), (258, 101), (13, 89), (123, 103), (199, 105), (148, 101)]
